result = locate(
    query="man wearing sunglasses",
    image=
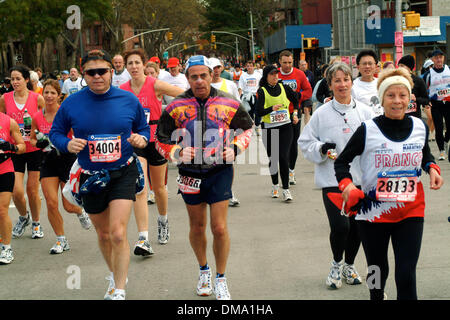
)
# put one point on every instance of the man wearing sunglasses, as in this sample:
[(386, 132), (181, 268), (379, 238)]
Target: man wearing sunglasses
[(103, 118)]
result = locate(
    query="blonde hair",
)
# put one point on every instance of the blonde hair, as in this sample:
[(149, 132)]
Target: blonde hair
[(389, 77), (394, 72)]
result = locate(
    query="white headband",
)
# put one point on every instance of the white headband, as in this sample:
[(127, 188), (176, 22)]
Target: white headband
[(391, 81)]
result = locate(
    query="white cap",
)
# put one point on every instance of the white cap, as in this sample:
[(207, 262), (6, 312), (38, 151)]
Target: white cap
[(427, 63), (214, 62)]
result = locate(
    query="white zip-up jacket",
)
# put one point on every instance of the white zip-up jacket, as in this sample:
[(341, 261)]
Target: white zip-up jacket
[(333, 123)]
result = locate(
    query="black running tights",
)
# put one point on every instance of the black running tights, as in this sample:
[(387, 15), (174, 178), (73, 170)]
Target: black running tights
[(406, 237), (343, 231)]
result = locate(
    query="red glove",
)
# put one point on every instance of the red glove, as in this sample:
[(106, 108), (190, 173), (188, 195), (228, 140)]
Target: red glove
[(435, 167), (354, 197), (344, 183)]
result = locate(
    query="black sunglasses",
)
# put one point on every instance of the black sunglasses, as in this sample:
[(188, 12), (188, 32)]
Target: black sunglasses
[(99, 71)]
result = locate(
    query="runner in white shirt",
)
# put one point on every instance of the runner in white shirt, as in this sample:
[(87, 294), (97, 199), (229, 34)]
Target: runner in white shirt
[(221, 83), (71, 85), (174, 77), (365, 87), (248, 85), (120, 75)]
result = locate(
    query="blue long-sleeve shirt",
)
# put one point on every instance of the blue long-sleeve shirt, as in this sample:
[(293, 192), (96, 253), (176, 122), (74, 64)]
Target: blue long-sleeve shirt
[(106, 121)]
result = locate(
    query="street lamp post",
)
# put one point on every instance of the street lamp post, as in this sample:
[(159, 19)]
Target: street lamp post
[(142, 33)]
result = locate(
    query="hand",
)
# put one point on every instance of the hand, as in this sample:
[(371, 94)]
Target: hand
[(137, 141), (346, 193), (43, 143), (413, 97), (76, 145), (228, 155), (327, 99), (327, 146), (436, 181), (276, 107), (295, 119), (6, 146), (187, 154)]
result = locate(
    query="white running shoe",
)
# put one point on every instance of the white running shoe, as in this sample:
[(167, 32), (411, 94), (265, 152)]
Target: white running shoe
[(21, 224), (6, 256), (151, 197), (334, 277), (118, 296), (287, 195), (221, 289), (204, 283), (292, 180), (111, 292), (234, 202), (85, 221), (350, 275), (111, 288), (442, 155), (36, 231), (60, 247), (275, 191)]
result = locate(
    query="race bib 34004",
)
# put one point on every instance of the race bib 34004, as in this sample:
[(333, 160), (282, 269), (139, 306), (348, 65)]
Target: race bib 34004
[(104, 148)]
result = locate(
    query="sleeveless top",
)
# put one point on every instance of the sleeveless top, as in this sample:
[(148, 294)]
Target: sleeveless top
[(152, 106), (391, 173), (31, 105), (5, 124), (440, 85), (281, 116)]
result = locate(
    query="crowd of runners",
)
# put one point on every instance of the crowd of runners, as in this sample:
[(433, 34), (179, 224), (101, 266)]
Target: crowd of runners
[(105, 139)]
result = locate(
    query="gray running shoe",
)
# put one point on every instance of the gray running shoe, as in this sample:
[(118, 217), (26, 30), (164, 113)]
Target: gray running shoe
[(20, 226), (85, 221), (163, 232), (143, 248)]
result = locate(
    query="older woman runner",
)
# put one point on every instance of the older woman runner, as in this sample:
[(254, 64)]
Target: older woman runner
[(326, 133), (393, 150)]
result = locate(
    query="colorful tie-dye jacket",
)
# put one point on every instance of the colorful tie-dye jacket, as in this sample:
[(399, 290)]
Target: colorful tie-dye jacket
[(207, 125)]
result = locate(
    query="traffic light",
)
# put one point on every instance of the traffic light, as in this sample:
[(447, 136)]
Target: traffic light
[(213, 38), (169, 36), (310, 43)]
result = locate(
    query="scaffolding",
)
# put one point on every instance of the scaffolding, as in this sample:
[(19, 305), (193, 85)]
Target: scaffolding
[(348, 25)]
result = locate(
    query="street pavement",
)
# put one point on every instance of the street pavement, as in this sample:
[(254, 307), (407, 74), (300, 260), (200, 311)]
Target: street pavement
[(279, 251)]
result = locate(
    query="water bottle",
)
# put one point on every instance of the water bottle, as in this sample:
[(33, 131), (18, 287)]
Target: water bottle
[(27, 125), (39, 137)]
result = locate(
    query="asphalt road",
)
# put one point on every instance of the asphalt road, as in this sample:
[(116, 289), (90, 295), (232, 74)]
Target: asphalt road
[(279, 251)]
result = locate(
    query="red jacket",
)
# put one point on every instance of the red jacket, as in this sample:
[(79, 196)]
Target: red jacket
[(298, 81)]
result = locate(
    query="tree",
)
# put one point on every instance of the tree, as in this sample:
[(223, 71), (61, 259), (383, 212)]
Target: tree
[(182, 17), (233, 16), (31, 22)]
